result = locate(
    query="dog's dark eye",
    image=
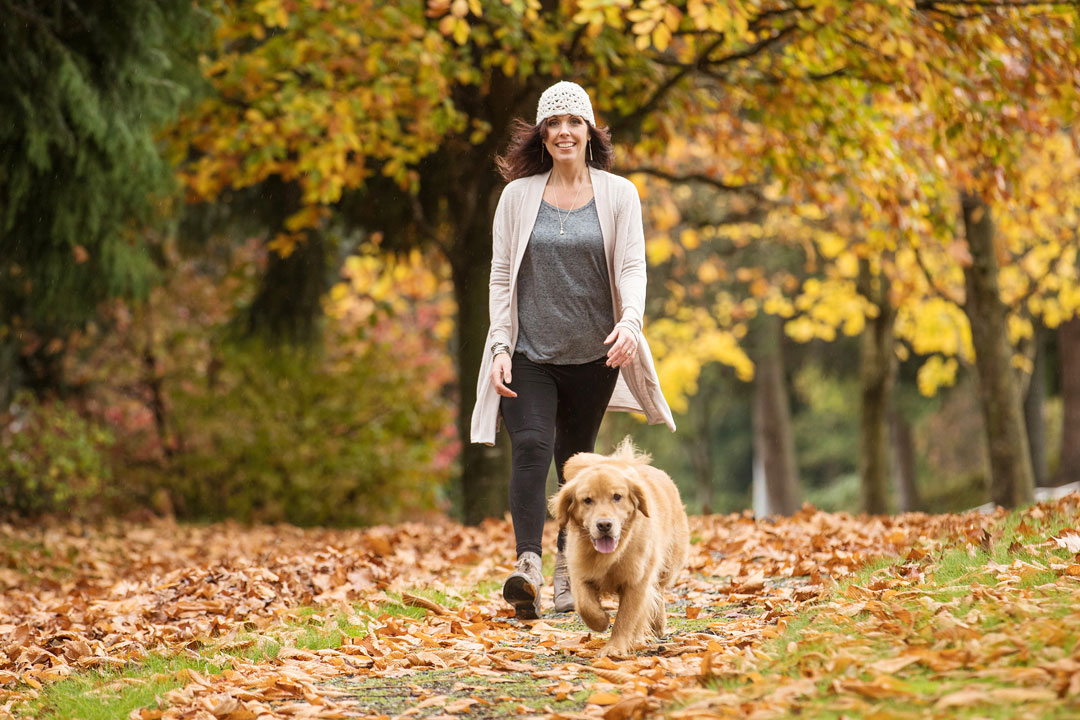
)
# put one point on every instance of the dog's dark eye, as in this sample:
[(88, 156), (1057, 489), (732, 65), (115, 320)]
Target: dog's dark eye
[(587, 501), (617, 497)]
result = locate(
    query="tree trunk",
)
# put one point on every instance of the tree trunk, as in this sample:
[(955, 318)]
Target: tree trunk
[(699, 448), (1069, 352), (1033, 411), (9, 368), (774, 438), (699, 456), (485, 471), (700, 459), (904, 467), (288, 303), (1011, 480), (877, 372)]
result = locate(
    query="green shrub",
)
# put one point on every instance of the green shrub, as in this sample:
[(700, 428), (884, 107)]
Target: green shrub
[(51, 458), (285, 436), (211, 423)]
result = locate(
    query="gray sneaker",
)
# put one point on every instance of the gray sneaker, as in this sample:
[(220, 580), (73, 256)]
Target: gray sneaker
[(564, 600), (522, 588)]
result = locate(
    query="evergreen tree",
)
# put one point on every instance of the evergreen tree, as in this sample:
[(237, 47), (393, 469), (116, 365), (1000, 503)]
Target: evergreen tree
[(83, 86)]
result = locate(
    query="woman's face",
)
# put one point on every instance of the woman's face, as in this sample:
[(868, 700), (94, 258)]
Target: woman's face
[(566, 138)]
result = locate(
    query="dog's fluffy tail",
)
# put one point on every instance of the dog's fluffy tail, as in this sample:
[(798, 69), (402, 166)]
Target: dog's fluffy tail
[(627, 452)]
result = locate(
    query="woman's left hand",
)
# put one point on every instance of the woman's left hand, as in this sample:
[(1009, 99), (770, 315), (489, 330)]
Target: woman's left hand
[(623, 350)]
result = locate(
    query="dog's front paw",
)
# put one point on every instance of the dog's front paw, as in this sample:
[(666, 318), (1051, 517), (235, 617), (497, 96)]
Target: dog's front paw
[(595, 617), (615, 648)]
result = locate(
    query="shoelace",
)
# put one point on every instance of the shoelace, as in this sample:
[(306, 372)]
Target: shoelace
[(524, 565)]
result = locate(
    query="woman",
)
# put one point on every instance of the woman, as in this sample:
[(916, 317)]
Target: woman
[(567, 297)]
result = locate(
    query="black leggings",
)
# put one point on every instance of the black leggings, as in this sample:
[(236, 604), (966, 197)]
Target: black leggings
[(557, 412)]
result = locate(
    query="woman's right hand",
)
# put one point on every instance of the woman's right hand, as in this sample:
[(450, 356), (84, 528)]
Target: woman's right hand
[(500, 375)]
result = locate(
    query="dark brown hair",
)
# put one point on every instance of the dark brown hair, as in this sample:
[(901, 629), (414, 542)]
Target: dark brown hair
[(527, 156)]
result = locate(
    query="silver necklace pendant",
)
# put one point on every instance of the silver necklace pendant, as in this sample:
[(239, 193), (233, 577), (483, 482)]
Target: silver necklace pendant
[(558, 210)]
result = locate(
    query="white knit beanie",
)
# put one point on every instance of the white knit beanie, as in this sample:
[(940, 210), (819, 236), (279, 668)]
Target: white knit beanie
[(565, 98)]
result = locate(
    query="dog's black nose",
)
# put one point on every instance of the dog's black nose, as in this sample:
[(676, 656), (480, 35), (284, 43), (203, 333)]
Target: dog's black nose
[(603, 526)]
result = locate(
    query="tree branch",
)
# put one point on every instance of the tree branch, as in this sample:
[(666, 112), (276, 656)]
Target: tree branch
[(932, 4), (939, 289), (648, 106), (751, 50), (939, 6), (764, 15), (751, 189), (700, 64), (32, 16), (425, 227), (844, 71)]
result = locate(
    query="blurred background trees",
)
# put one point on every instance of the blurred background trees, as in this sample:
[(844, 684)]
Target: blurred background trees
[(245, 248), (84, 87)]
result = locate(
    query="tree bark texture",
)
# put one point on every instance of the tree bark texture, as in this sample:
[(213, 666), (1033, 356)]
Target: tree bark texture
[(700, 459), (905, 469), (1069, 351), (485, 471), (1034, 401), (774, 438), (877, 373), (9, 369), (288, 303), (1011, 479), (461, 190)]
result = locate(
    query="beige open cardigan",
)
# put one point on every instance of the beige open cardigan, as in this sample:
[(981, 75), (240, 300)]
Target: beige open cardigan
[(619, 208)]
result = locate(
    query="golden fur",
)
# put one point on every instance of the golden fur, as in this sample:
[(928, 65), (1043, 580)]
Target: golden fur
[(621, 497)]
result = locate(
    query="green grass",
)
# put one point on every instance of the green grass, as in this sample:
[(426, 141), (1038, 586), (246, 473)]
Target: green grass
[(253, 648), (398, 608), (810, 641), (329, 633), (486, 587), (97, 695)]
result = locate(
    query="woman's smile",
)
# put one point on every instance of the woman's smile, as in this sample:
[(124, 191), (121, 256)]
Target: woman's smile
[(566, 136)]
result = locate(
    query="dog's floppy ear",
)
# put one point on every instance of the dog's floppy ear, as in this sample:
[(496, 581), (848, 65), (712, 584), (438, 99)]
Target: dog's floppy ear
[(638, 496), (579, 462), (560, 504)]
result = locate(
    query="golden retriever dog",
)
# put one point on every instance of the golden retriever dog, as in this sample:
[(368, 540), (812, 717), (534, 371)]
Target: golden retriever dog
[(626, 535)]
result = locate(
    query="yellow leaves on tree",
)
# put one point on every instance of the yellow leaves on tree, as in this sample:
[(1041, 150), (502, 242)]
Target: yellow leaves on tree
[(859, 135), (824, 306), (935, 373), (318, 103), (401, 303), (685, 343), (836, 121)]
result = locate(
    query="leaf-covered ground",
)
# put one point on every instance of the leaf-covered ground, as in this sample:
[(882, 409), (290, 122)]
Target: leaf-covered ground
[(823, 615)]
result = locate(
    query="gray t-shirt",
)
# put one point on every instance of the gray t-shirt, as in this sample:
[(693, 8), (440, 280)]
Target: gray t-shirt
[(564, 296)]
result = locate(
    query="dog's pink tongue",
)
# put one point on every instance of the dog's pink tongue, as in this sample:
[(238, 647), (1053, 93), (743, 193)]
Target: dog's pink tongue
[(604, 544)]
